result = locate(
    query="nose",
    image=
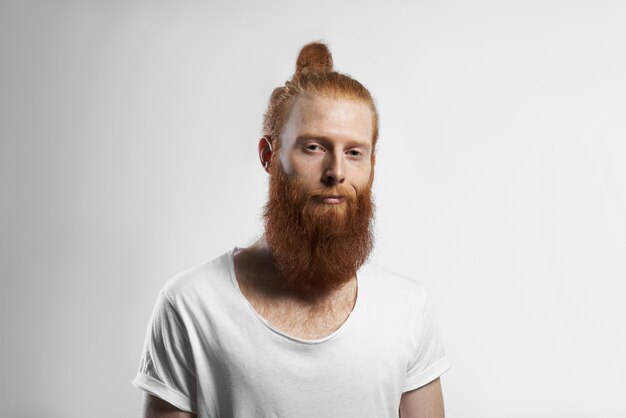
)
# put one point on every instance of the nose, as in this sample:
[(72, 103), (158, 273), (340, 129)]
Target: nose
[(334, 171)]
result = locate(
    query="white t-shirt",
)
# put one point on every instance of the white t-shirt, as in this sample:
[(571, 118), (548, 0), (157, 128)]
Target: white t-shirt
[(209, 352)]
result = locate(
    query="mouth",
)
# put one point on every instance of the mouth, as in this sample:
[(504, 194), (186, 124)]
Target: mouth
[(333, 199)]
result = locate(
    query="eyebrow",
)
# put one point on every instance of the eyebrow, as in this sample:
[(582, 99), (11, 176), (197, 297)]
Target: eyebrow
[(325, 139)]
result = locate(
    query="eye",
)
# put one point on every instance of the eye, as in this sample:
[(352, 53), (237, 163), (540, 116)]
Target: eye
[(313, 148), (355, 153)]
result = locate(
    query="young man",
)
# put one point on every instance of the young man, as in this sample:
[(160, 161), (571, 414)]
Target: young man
[(297, 325)]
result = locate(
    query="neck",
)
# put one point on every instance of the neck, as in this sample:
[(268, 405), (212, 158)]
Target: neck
[(263, 276)]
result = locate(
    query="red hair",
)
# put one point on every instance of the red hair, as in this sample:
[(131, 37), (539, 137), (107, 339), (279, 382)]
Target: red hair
[(314, 76)]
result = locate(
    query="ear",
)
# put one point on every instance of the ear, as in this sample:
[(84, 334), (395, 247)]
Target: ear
[(265, 151)]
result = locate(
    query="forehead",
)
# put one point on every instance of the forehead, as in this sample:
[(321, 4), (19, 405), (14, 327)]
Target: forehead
[(331, 117)]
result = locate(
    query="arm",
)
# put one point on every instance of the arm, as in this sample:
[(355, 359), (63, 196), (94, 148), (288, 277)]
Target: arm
[(154, 407), (424, 402)]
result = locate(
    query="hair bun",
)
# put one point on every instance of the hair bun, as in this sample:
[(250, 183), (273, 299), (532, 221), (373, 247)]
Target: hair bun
[(314, 58)]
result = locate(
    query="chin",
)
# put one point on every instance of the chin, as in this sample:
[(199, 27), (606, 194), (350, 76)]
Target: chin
[(336, 210)]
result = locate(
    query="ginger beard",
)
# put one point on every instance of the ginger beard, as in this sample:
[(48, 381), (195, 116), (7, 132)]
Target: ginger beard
[(317, 246)]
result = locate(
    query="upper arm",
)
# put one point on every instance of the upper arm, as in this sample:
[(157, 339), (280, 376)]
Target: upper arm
[(154, 407), (167, 367), (423, 402)]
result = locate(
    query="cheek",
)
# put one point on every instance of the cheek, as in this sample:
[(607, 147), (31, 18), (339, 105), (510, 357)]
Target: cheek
[(305, 166), (365, 174)]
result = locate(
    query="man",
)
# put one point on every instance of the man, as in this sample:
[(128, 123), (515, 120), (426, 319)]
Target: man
[(296, 325)]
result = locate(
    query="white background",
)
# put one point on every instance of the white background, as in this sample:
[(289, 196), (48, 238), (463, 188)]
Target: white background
[(128, 153)]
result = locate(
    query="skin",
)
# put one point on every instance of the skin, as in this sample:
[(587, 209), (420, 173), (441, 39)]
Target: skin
[(424, 402), (302, 316), (154, 407), (326, 141)]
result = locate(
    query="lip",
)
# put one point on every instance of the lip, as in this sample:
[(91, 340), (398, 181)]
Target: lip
[(333, 200)]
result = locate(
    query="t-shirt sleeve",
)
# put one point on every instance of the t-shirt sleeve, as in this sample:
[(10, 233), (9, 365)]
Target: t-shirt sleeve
[(428, 361), (167, 368)]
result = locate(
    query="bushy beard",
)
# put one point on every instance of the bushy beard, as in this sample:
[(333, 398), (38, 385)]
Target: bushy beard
[(317, 246)]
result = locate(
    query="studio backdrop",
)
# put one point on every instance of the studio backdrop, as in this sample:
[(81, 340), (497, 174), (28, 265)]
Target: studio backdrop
[(128, 134)]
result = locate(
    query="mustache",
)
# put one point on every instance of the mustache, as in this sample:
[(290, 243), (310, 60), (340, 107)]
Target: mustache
[(317, 246), (335, 191)]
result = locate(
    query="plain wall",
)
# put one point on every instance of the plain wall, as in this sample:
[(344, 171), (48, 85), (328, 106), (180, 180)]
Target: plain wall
[(128, 153)]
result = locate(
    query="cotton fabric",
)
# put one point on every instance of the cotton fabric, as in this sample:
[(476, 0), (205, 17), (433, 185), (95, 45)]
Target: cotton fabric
[(207, 350)]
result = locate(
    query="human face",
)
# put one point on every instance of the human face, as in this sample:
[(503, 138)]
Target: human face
[(326, 144), (318, 216)]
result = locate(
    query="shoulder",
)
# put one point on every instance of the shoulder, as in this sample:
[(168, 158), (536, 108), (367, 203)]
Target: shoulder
[(389, 281), (202, 282), (390, 287)]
